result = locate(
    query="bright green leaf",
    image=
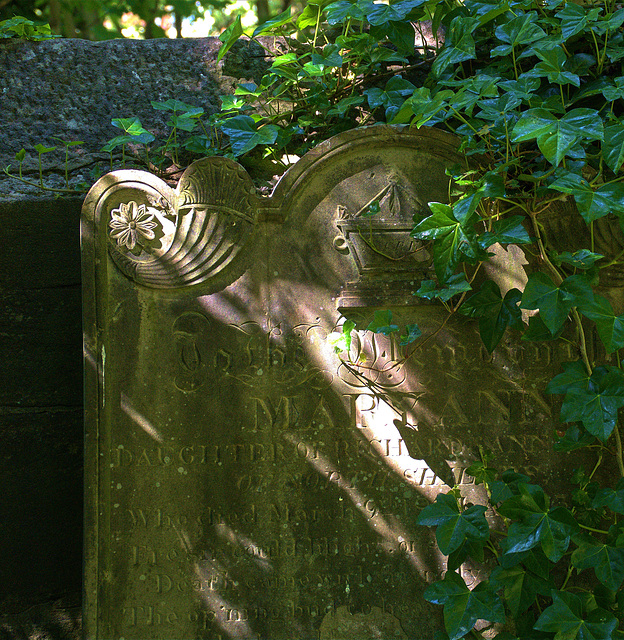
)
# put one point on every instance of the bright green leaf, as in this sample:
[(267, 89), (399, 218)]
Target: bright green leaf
[(230, 36), (273, 23)]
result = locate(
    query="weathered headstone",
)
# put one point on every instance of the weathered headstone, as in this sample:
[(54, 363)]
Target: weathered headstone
[(242, 479)]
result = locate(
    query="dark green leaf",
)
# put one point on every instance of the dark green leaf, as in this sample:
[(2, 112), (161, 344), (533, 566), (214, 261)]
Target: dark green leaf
[(611, 498), (495, 313), (575, 18), (538, 331), (454, 526), (597, 405), (520, 587), (574, 438), (610, 327), (592, 204), (581, 259), (382, 323), (463, 607), (482, 473), (459, 44), (565, 618), (505, 231), (607, 562), (574, 376), (457, 283), (378, 14), (553, 303), (552, 66), (557, 138), (522, 29), (613, 146), (552, 530), (343, 10), (244, 136), (412, 333), (451, 238)]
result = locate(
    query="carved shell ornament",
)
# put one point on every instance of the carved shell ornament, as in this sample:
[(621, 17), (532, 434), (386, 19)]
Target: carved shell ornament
[(191, 236)]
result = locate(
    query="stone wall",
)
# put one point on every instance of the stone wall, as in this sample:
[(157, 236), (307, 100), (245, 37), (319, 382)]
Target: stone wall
[(69, 89)]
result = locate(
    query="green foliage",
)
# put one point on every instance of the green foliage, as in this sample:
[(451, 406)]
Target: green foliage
[(535, 92), (20, 27)]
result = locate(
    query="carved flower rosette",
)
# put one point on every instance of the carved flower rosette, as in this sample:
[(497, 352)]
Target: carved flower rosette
[(165, 239)]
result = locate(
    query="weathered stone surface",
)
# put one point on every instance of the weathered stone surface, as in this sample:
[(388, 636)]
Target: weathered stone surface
[(41, 421), (242, 479), (71, 89)]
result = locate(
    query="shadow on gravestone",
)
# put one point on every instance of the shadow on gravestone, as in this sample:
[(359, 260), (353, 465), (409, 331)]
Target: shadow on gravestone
[(242, 480)]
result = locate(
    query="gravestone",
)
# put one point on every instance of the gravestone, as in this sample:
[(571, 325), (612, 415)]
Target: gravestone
[(244, 480)]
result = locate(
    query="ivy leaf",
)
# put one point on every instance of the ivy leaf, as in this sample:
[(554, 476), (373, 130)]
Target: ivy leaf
[(341, 340), (495, 313), (575, 19), (413, 333), (379, 14), (506, 231), (613, 146), (482, 473), (574, 438), (382, 323), (574, 376), (457, 283), (463, 607), (551, 529), (556, 138), (539, 332), (609, 326), (565, 618), (459, 44), (592, 204), (520, 30), (552, 66), (454, 526), (230, 36), (607, 562), (520, 587), (273, 24), (340, 11), (469, 549), (581, 259), (554, 303), (244, 136), (451, 238), (611, 498), (597, 405)]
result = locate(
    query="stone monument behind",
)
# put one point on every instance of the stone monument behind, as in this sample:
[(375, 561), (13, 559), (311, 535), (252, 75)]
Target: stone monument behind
[(243, 480)]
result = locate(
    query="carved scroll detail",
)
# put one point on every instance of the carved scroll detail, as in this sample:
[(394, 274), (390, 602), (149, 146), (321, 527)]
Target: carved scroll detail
[(193, 239)]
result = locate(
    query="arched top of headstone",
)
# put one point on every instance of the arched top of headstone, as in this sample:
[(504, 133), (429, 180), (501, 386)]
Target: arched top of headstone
[(205, 231)]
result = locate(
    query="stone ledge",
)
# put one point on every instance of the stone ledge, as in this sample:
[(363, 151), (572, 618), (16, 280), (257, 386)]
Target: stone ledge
[(71, 89)]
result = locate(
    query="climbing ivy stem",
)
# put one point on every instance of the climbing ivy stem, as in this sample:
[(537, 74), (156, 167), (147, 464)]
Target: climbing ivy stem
[(618, 449)]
